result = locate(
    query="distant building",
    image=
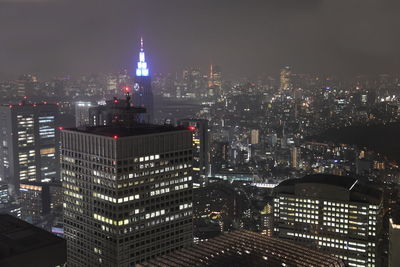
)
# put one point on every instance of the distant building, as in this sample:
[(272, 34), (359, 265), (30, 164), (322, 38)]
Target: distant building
[(22, 244), (4, 196), (285, 78), (201, 153), (116, 111), (295, 157), (82, 113), (215, 80), (254, 136), (28, 144), (245, 249), (35, 201), (127, 193), (334, 214)]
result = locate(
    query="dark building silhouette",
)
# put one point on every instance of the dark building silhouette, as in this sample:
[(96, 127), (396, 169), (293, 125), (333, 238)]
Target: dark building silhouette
[(115, 112), (201, 148), (22, 244)]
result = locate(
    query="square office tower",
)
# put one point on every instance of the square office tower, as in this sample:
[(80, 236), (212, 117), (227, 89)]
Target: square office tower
[(127, 193), (28, 144)]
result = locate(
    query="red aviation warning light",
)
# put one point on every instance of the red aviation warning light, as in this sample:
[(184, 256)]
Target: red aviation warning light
[(191, 128)]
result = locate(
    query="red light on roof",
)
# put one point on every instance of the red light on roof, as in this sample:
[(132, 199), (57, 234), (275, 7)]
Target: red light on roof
[(115, 136), (60, 128), (10, 106), (25, 97), (192, 128), (126, 88), (45, 102), (115, 101), (34, 105)]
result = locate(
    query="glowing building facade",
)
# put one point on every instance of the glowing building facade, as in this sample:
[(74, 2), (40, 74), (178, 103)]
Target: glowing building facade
[(334, 214), (142, 92), (28, 144)]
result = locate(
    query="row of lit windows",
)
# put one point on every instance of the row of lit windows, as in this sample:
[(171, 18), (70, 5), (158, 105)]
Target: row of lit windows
[(116, 200)]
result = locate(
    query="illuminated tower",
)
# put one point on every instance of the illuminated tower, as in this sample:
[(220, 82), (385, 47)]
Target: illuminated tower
[(285, 78), (215, 79), (142, 93)]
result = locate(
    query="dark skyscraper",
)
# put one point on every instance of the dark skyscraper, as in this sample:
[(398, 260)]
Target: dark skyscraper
[(142, 92), (201, 151), (115, 111)]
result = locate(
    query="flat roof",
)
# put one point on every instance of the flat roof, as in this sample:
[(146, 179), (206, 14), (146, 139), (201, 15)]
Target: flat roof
[(18, 237), (329, 179), (121, 131), (355, 186)]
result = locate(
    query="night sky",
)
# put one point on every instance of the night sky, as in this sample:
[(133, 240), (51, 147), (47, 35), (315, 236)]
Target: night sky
[(246, 37)]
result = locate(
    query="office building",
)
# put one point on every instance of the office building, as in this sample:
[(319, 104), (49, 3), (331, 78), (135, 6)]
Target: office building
[(22, 244), (254, 136), (28, 144), (115, 111), (295, 157), (337, 215), (35, 201), (4, 196), (201, 153), (142, 92), (127, 193), (245, 249), (82, 112)]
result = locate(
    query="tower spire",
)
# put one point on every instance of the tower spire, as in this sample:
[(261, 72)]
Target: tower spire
[(142, 69)]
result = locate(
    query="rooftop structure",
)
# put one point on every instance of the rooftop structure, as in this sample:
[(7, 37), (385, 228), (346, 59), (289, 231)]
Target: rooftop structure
[(245, 248)]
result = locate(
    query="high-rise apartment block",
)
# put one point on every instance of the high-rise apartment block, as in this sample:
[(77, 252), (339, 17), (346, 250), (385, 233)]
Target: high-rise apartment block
[(127, 193), (337, 215), (28, 144)]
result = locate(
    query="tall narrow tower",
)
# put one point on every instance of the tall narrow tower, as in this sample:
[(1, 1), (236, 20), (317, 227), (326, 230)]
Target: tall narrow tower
[(142, 93)]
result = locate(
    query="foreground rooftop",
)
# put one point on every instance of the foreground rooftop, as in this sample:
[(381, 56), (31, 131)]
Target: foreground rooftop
[(22, 244), (245, 248)]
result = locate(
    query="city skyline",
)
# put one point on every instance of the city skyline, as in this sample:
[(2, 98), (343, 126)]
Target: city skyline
[(223, 133), (246, 39)]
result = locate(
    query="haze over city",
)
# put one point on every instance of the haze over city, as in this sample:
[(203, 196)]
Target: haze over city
[(199, 133), (247, 38)]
